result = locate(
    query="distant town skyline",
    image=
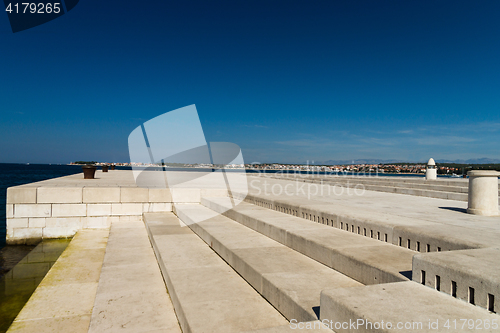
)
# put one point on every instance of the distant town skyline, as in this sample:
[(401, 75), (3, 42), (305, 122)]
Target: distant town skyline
[(287, 81)]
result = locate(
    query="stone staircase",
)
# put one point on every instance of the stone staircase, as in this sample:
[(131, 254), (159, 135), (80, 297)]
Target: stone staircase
[(262, 267)]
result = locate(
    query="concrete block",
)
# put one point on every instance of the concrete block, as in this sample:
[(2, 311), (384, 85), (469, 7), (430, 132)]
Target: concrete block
[(28, 233), (98, 209), (32, 210), (118, 209), (9, 211), (98, 222), (59, 195), (101, 194), (128, 218), (59, 232), (69, 210), (63, 222), (36, 222), (186, 195), (9, 233), (25, 195), (160, 195), (382, 303), (17, 223), (458, 271), (134, 194), (155, 207)]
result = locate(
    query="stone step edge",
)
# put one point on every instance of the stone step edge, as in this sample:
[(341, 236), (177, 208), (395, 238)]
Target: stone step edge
[(179, 310), (436, 244), (365, 273), (285, 303)]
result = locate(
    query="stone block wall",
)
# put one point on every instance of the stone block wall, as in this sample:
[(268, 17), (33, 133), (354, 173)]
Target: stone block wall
[(40, 212)]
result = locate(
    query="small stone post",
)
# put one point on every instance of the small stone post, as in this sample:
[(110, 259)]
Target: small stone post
[(431, 172), (483, 192)]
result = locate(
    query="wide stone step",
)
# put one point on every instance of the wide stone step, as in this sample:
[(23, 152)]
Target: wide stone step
[(431, 193), (431, 189), (208, 295), (412, 233), (289, 280), (366, 260), (403, 306)]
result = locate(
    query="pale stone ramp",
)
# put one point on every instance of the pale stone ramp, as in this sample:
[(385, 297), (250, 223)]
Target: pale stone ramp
[(208, 295), (131, 296), (64, 299)]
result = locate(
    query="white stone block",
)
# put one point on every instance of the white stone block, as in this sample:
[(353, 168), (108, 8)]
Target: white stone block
[(25, 233), (134, 194), (36, 222), (98, 209), (186, 195), (126, 209), (9, 211), (32, 210), (59, 232), (101, 194), (69, 210), (99, 222), (155, 207), (59, 195), (160, 195), (17, 223), (130, 218), (20, 194), (63, 222)]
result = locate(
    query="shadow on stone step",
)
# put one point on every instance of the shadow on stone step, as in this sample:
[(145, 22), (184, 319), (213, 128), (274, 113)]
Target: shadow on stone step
[(406, 274), (455, 209), (316, 311)]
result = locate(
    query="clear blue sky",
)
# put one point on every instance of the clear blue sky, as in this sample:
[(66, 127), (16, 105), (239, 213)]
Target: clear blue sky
[(288, 81)]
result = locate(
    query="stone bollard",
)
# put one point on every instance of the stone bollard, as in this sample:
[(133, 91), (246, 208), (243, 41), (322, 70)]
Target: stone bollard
[(483, 192), (89, 171)]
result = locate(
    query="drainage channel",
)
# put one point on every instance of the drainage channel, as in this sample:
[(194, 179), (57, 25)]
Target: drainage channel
[(17, 285)]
